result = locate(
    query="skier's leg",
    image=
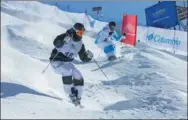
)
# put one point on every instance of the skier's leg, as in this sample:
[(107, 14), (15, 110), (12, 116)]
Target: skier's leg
[(78, 81), (65, 70), (109, 50), (108, 47), (79, 85), (67, 84)]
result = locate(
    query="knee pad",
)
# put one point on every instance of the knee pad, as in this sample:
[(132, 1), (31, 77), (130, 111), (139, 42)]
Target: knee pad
[(108, 49), (67, 80), (78, 82)]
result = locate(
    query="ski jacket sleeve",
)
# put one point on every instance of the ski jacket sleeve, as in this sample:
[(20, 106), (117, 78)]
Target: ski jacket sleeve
[(117, 37), (84, 55), (59, 40)]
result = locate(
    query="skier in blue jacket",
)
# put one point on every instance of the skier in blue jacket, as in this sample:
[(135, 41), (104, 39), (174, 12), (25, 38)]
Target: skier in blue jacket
[(105, 39)]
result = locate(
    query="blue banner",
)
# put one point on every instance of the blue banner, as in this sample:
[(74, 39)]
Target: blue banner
[(163, 15)]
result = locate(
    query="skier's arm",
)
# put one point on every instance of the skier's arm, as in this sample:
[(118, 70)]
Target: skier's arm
[(59, 40), (117, 37), (84, 55)]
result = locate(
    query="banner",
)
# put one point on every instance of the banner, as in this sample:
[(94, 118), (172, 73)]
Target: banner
[(170, 40), (163, 15), (162, 38), (89, 20), (129, 26)]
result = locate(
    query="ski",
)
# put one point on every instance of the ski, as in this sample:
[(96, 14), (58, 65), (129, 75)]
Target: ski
[(79, 105), (76, 104)]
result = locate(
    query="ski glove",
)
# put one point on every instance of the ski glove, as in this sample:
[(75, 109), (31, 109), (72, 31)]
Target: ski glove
[(110, 33), (84, 55), (67, 39), (60, 42), (106, 39), (89, 54), (123, 36)]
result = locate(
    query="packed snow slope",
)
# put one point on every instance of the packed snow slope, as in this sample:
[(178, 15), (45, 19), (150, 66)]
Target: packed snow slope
[(143, 83)]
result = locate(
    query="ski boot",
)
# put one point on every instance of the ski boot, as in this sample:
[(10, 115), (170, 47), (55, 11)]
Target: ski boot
[(111, 58), (78, 99), (74, 96)]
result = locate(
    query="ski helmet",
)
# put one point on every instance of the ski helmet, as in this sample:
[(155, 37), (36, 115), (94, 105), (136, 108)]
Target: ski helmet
[(79, 29), (79, 26), (112, 25)]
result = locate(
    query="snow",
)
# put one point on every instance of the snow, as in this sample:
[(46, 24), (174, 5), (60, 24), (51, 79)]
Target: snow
[(144, 83)]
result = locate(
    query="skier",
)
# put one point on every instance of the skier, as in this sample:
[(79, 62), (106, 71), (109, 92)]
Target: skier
[(105, 38), (67, 46)]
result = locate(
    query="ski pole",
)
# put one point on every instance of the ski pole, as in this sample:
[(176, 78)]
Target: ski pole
[(49, 63), (101, 70)]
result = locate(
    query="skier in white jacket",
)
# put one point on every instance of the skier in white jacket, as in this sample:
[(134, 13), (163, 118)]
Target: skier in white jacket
[(105, 38), (67, 46)]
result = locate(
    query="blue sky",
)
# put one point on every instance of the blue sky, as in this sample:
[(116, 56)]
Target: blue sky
[(112, 10)]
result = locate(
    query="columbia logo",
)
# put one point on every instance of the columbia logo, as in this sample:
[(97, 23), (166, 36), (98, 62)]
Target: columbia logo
[(160, 39), (150, 37)]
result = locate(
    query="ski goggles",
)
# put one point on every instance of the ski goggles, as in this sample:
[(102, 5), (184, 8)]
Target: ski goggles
[(80, 33)]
